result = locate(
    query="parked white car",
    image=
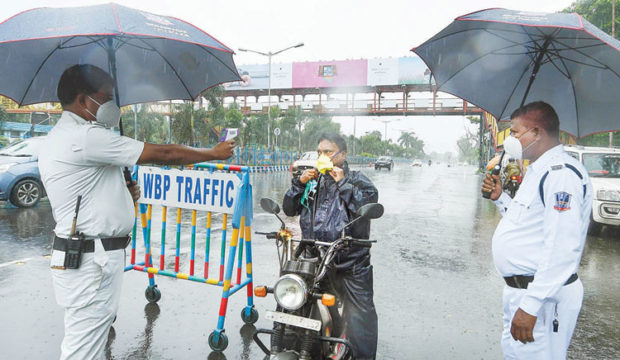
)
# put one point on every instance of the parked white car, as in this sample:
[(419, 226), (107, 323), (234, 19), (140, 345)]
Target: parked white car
[(603, 165), (307, 160)]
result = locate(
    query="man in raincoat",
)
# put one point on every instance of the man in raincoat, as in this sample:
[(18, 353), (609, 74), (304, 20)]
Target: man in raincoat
[(327, 202)]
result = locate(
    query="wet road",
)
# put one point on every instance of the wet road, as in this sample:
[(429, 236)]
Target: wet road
[(437, 293)]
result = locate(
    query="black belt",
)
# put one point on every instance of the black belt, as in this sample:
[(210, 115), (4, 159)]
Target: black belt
[(521, 281), (109, 244)]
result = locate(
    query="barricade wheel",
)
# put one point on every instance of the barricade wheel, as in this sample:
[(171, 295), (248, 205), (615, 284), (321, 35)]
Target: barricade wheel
[(249, 319), (221, 344), (152, 294)]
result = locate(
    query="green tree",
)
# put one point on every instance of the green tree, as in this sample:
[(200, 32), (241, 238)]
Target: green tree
[(289, 128), (353, 145), (413, 147), (316, 126), (233, 117), (190, 125), (598, 12), (152, 126), (468, 148), (215, 119), (4, 116), (601, 139), (371, 143)]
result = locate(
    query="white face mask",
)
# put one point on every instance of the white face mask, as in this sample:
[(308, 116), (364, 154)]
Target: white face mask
[(108, 114), (513, 147)]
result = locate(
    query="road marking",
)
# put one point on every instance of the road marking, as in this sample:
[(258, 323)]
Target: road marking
[(262, 214), (18, 262)]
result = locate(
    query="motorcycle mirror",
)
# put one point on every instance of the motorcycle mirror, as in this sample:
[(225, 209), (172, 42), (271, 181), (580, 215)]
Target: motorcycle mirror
[(370, 211), (269, 206), (366, 212)]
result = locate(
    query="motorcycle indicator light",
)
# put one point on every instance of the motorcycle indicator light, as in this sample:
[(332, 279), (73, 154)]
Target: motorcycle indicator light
[(260, 291), (290, 292), (328, 300), (513, 177)]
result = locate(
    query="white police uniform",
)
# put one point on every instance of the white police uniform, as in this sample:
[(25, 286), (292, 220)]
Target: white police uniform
[(543, 233), (80, 158)]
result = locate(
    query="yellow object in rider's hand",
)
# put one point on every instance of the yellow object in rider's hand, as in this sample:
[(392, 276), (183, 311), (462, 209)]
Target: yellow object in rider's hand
[(324, 164)]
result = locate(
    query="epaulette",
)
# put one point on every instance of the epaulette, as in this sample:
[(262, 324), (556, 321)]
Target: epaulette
[(559, 167)]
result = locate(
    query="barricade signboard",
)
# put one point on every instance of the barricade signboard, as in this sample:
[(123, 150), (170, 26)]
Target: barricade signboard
[(188, 189), (218, 190)]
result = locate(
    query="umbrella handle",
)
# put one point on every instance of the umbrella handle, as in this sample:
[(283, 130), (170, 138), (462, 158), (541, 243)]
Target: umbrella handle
[(127, 175)]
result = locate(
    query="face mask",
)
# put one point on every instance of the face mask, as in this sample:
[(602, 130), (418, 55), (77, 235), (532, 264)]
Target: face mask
[(513, 147), (324, 163), (108, 114)]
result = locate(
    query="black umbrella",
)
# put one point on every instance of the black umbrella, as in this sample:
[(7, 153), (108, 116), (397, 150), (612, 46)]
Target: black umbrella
[(151, 57), (498, 59)]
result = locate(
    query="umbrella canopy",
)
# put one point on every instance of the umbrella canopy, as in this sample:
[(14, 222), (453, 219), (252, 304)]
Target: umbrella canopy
[(152, 57), (499, 59)]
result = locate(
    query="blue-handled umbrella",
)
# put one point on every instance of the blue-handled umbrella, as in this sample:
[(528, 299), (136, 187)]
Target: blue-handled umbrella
[(498, 59), (151, 57)]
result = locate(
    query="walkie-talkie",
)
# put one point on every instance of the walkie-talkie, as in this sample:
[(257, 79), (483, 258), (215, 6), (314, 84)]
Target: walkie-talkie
[(73, 255), (496, 170)]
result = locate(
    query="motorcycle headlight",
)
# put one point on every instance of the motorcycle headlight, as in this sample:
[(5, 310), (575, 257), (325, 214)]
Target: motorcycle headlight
[(290, 292), (608, 195), (6, 167)]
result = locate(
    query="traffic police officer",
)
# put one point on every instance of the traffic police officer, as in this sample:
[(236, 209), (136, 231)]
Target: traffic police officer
[(538, 244), (83, 158)]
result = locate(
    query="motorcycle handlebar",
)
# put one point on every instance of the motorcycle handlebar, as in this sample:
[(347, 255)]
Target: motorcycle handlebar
[(269, 235), (366, 243), (351, 241)]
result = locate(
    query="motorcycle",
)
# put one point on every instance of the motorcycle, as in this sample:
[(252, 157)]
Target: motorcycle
[(512, 185), (308, 320)]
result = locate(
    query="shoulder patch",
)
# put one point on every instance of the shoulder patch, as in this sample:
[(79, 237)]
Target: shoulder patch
[(557, 167), (562, 201)]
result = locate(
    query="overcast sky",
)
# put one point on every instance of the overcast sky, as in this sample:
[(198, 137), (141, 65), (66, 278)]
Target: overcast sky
[(331, 30)]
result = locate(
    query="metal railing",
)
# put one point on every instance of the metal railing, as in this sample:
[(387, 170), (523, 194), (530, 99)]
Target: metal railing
[(364, 106)]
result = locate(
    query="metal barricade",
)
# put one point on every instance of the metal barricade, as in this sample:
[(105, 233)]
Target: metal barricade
[(157, 190)]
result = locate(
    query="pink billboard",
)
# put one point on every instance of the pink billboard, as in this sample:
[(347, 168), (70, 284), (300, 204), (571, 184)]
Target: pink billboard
[(330, 73)]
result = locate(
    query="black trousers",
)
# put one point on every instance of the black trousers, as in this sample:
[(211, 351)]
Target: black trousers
[(355, 286)]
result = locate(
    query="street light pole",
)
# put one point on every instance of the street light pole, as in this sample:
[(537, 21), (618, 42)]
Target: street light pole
[(135, 122), (354, 133), (269, 55), (613, 34), (385, 130), (269, 106)]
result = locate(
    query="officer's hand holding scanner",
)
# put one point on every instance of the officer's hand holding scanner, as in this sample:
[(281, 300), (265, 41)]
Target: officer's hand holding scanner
[(492, 185)]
